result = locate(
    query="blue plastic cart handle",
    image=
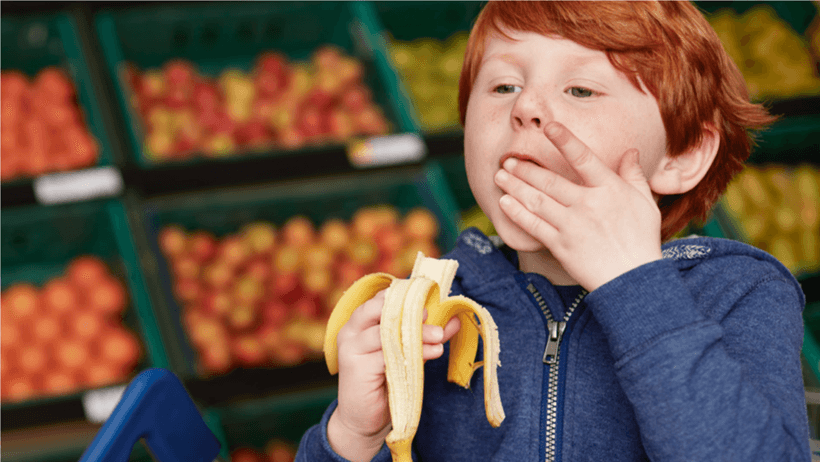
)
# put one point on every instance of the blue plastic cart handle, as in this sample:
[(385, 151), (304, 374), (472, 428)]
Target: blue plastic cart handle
[(155, 406)]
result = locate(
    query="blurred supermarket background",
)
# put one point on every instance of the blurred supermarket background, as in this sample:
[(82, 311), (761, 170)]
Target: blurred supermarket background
[(190, 186)]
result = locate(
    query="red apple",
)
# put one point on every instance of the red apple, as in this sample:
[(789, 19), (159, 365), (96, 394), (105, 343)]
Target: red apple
[(274, 313), (242, 317), (317, 281), (254, 134), (389, 240), (217, 303), (218, 275), (60, 382), (260, 236), (202, 245), (86, 270), (172, 241), (248, 351), (286, 286), (371, 121), (206, 97), (363, 251), (159, 145), (420, 224), (311, 122), (152, 86), (100, 373), (350, 70), (219, 144), (259, 269), (233, 251), (287, 259), (298, 231), (318, 256), (349, 272), (216, 357), (340, 124), (207, 330), (187, 290), (280, 451), (307, 307), (248, 290), (334, 234), (356, 98), (186, 267), (179, 73)]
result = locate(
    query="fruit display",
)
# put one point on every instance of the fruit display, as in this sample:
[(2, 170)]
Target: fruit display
[(775, 60), (42, 127), (276, 450), (430, 70), (278, 104), (777, 208), (66, 335), (405, 304), (261, 296)]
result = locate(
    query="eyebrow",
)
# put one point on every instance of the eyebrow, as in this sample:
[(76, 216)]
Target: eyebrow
[(573, 62)]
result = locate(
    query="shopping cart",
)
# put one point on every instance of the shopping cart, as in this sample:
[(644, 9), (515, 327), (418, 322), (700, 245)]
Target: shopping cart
[(157, 408)]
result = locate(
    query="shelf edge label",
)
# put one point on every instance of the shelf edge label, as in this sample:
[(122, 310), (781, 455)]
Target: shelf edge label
[(78, 186), (99, 404), (386, 150)]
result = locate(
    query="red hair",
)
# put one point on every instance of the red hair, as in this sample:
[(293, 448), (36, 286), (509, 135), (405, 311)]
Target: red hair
[(674, 52)]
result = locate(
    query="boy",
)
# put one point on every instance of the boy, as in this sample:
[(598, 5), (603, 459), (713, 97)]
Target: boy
[(592, 133)]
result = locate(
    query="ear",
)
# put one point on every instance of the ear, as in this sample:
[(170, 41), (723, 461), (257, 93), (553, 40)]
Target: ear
[(680, 174)]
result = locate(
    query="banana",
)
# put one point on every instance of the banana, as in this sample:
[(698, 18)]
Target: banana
[(401, 323)]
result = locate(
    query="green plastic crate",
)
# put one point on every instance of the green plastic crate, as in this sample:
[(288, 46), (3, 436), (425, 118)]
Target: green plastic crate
[(38, 242), (283, 417), (225, 212), (31, 43), (216, 36)]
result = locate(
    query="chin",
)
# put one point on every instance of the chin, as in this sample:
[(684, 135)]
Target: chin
[(515, 237)]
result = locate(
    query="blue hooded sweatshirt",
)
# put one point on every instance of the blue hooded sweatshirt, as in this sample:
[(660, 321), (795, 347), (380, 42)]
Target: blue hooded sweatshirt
[(695, 357)]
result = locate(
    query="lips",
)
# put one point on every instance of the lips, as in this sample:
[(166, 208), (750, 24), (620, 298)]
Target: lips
[(517, 155)]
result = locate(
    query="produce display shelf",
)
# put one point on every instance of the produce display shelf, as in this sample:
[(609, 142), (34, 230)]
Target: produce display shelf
[(31, 42), (215, 36), (38, 242), (225, 212)]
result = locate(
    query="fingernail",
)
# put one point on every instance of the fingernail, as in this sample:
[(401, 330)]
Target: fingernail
[(502, 175), (552, 129), (438, 334), (505, 200), (510, 163)]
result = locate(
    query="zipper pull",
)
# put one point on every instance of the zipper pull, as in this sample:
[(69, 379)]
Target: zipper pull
[(556, 331)]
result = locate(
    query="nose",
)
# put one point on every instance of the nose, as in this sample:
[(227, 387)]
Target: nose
[(529, 111)]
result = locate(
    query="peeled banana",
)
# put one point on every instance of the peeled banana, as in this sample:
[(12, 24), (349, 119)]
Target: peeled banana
[(401, 323)]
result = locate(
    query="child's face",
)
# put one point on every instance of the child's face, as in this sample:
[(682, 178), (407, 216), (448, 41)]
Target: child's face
[(524, 84)]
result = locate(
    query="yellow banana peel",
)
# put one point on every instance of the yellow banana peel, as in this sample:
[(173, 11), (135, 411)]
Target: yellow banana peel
[(428, 287)]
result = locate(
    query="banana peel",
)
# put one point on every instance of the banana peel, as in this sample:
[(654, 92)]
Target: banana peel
[(428, 287)]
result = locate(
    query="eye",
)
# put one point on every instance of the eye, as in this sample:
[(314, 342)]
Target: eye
[(505, 89), (581, 92)]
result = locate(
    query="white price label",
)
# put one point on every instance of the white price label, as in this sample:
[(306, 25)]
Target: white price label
[(386, 150), (77, 186), (99, 404)]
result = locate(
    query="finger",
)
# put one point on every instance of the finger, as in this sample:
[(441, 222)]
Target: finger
[(431, 333), (431, 351), (588, 166), (368, 314), (534, 200), (549, 182), (451, 328), (632, 172), (531, 223), (369, 340)]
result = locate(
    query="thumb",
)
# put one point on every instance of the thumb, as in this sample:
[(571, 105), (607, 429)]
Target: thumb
[(632, 172)]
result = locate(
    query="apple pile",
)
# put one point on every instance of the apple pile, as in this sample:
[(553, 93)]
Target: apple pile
[(42, 128), (67, 335), (279, 104), (276, 450), (261, 296), (430, 70)]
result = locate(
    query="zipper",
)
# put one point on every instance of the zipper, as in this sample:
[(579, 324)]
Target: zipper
[(552, 350)]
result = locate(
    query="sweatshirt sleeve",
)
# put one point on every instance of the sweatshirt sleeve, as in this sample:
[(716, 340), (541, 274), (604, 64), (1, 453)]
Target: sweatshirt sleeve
[(315, 447), (705, 388)]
